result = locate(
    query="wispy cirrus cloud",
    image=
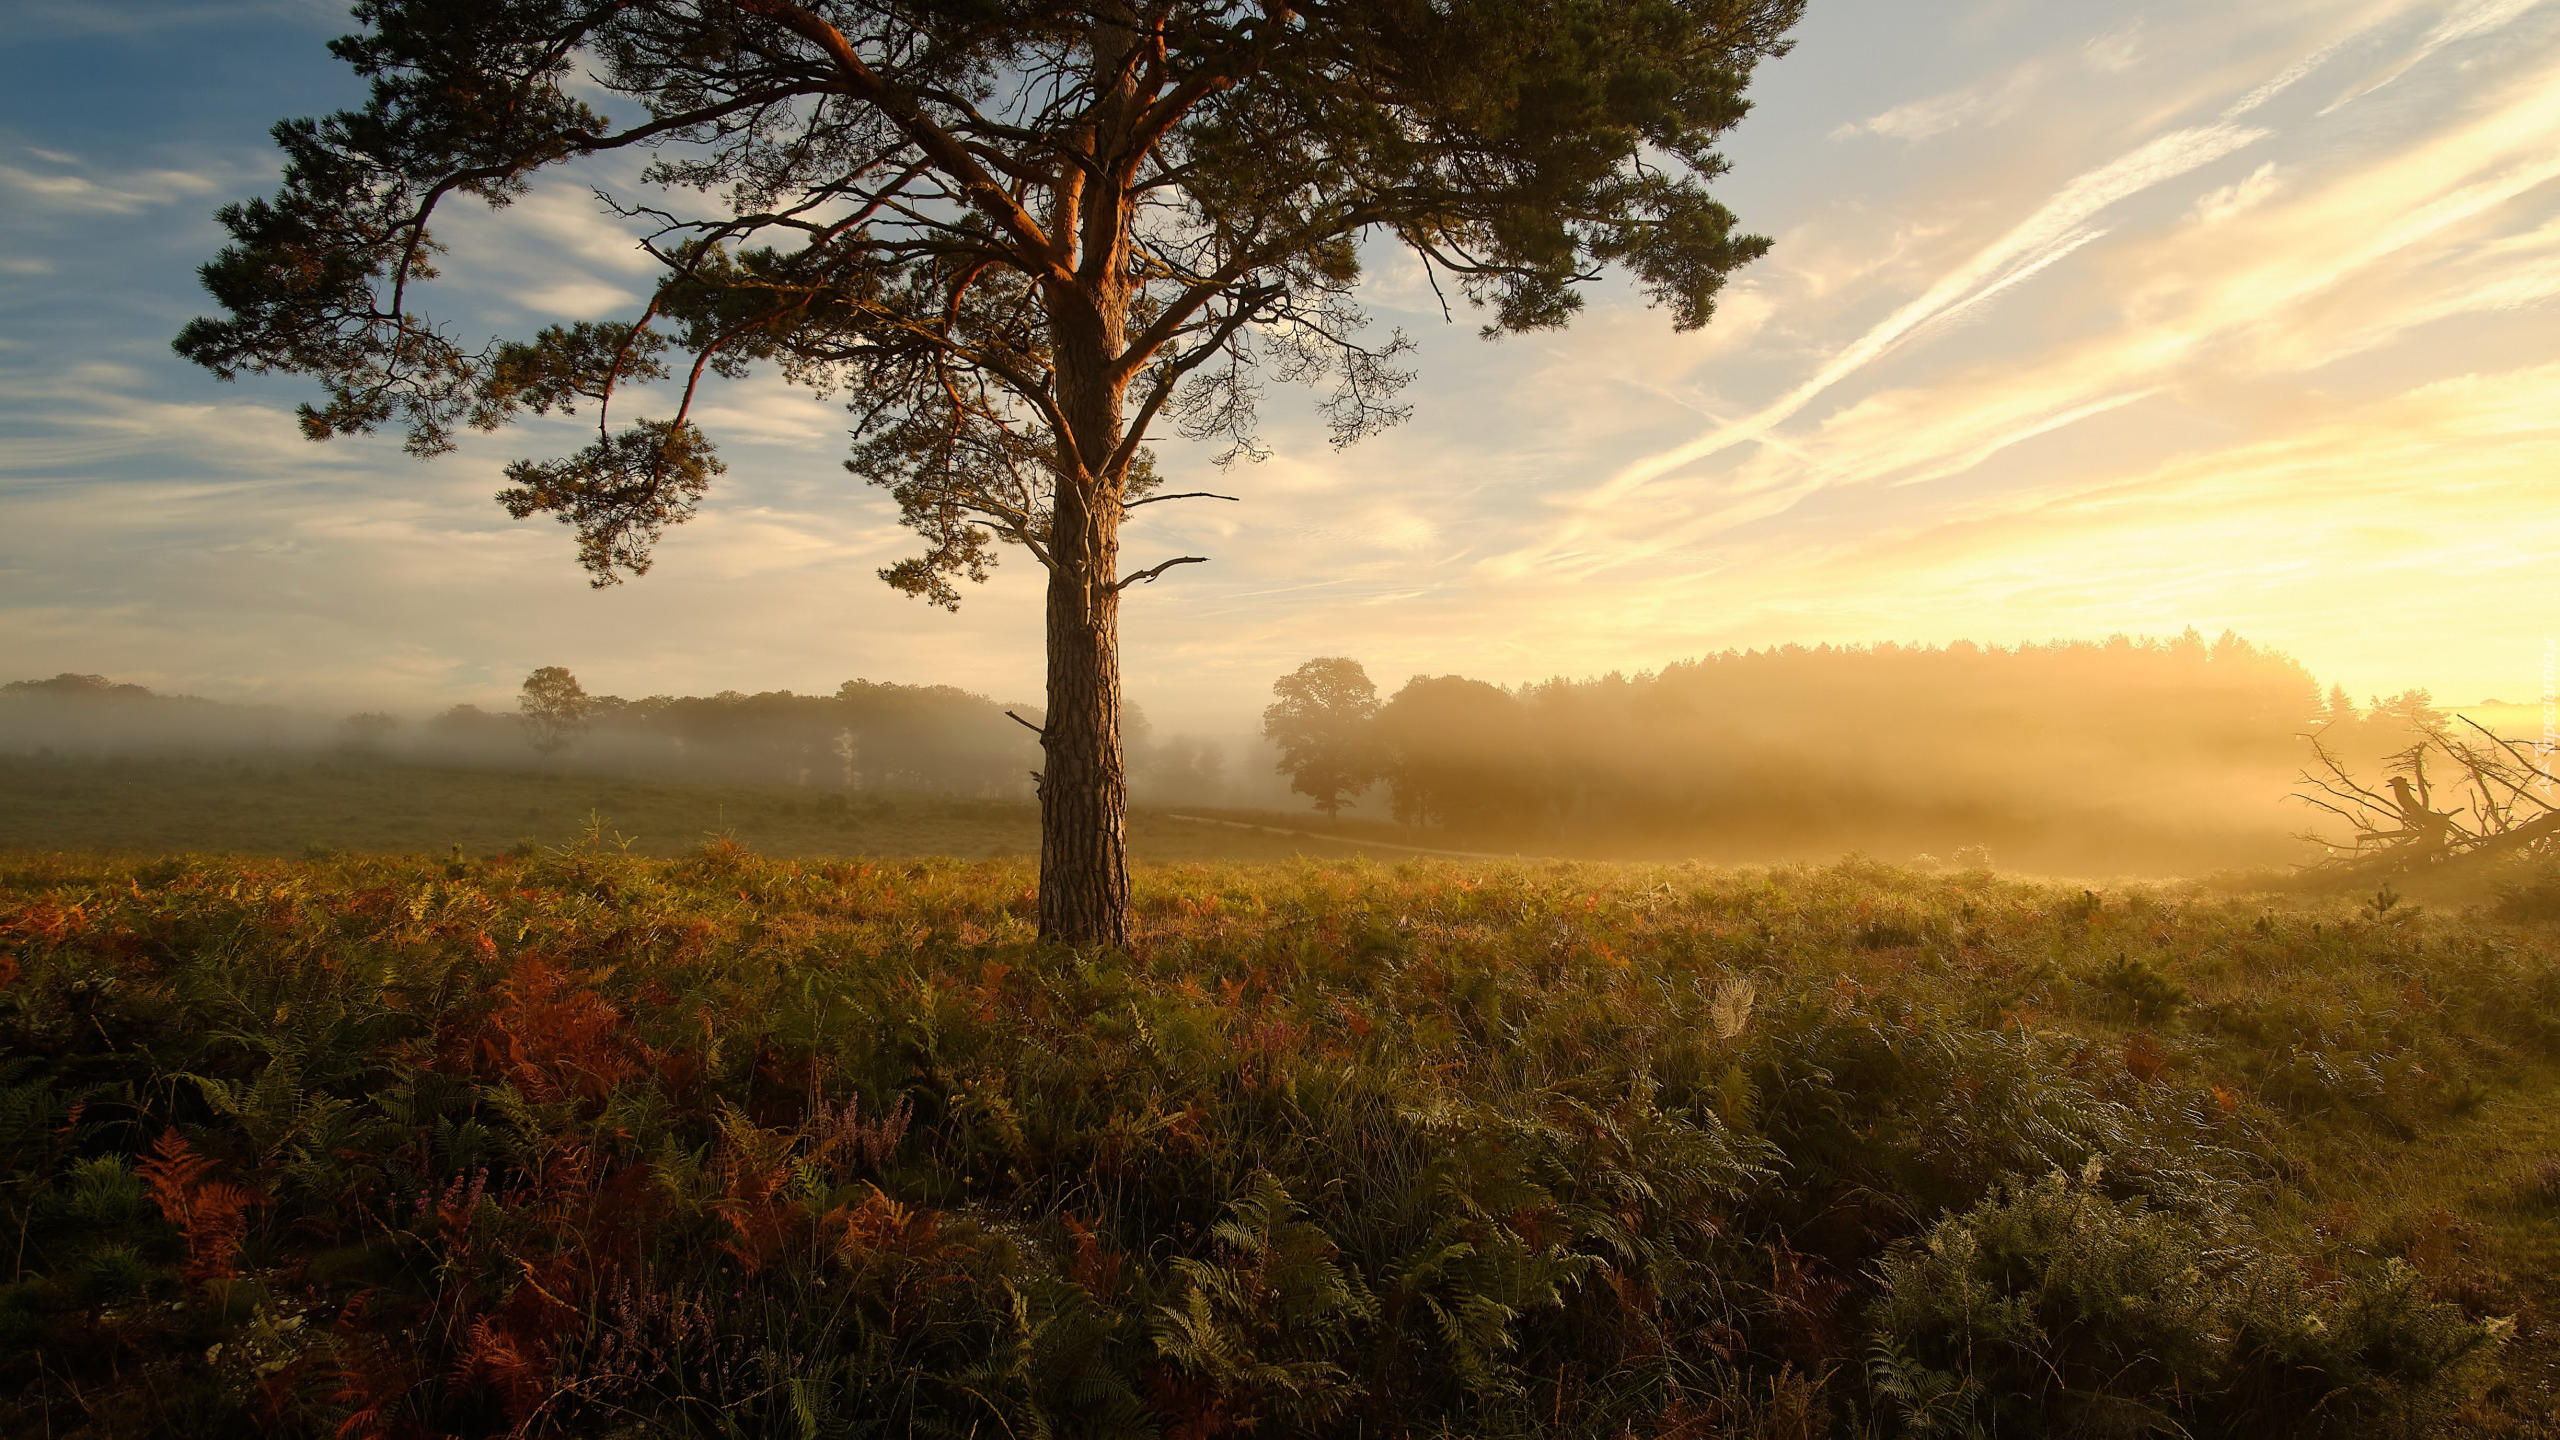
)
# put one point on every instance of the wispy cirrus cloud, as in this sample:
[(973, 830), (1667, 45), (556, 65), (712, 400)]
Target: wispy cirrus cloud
[(2191, 291), (2465, 22), (53, 191), (2223, 202), (2388, 236), (1937, 114), (2051, 233)]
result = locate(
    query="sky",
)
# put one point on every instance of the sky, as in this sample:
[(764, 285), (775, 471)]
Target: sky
[(2082, 318)]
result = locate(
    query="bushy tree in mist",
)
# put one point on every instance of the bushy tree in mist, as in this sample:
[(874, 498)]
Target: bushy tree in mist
[(553, 709), (364, 733), (1018, 234), (1462, 754), (2413, 711), (1325, 723)]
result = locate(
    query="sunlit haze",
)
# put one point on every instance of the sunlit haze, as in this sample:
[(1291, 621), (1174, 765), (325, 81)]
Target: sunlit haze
[(2081, 318)]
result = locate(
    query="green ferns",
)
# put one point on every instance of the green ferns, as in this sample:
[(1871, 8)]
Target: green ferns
[(1260, 1323), (585, 1144)]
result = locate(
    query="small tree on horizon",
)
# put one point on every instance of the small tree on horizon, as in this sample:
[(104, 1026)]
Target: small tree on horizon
[(1016, 234), (1325, 722), (553, 708)]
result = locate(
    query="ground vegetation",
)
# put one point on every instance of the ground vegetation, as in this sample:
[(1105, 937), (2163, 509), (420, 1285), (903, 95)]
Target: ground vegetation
[(579, 1143)]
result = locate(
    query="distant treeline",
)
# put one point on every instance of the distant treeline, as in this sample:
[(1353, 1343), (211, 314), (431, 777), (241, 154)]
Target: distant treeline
[(867, 737), (2125, 752), (91, 714)]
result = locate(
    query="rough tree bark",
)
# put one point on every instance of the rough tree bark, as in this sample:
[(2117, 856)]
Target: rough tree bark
[(1084, 790)]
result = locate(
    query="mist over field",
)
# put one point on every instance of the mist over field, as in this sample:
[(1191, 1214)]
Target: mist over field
[(2176, 756), (866, 738)]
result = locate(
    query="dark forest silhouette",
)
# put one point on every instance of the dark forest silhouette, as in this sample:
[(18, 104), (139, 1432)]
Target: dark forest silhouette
[(2157, 753)]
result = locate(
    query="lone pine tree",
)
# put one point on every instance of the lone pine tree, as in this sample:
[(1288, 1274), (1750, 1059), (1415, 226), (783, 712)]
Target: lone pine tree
[(1017, 234)]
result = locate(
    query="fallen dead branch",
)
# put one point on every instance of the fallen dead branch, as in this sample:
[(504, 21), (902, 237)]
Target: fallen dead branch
[(2486, 797)]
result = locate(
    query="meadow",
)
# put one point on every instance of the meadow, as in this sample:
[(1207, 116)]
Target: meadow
[(296, 804), (578, 1141)]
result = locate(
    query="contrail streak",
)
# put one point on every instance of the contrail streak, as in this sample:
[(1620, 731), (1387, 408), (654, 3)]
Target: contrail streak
[(2054, 231), (2029, 247), (2466, 24)]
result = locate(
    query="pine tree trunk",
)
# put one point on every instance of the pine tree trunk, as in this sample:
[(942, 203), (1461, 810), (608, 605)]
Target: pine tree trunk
[(1084, 794)]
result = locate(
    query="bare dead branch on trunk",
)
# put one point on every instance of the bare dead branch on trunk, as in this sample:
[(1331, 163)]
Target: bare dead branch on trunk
[(1185, 495), (1149, 575)]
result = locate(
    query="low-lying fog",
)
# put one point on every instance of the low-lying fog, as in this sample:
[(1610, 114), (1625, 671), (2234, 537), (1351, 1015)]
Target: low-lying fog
[(2079, 757)]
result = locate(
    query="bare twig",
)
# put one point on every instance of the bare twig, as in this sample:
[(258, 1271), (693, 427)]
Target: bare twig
[(1185, 495), (2529, 767), (1149, 575)]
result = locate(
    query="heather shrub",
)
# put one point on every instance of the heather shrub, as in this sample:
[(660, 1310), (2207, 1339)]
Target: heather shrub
[(2050, 1308)]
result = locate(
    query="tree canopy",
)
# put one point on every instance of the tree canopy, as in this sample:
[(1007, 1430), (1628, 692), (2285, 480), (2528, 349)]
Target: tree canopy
[(888, 201), (1465, 756)]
